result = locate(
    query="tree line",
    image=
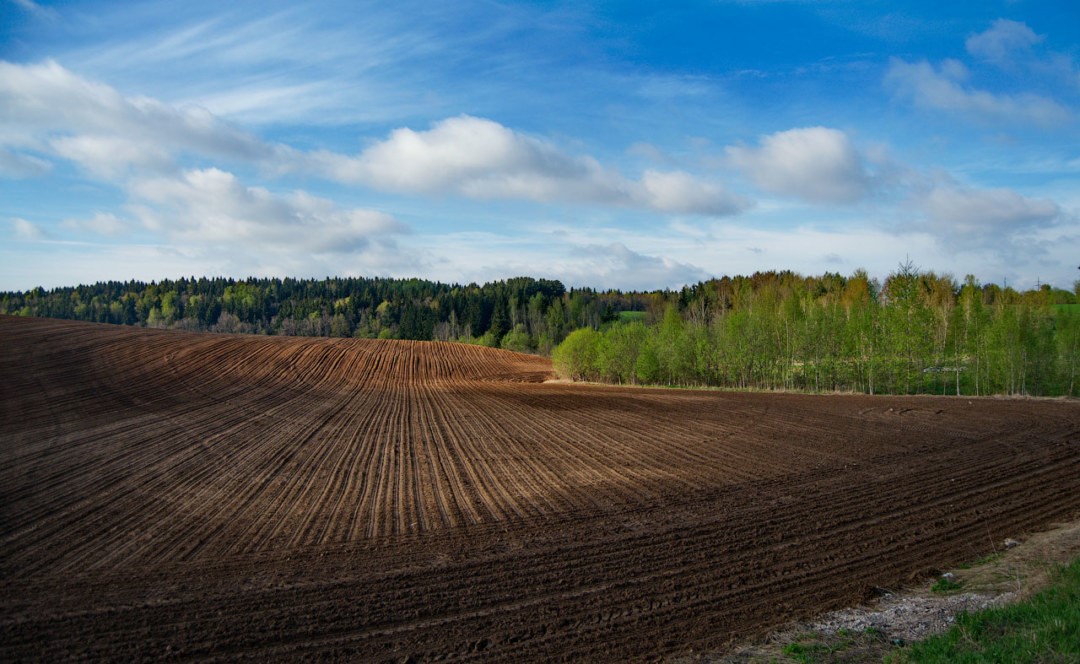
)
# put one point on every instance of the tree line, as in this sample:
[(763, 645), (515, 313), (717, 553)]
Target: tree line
[(521, 314), (916, 332)]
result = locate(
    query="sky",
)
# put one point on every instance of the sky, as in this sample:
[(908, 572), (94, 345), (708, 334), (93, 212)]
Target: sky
[(630, 145)]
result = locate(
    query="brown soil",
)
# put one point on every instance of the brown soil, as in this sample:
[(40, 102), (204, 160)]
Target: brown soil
[(166, 494)]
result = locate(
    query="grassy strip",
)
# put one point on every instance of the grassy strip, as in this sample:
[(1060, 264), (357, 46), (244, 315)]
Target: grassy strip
[(1044, 628), (844, 646), (946, 585)]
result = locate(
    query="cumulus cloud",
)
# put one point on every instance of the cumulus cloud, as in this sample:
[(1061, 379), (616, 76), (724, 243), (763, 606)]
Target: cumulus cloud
[(212, 207), (83, 119), (111, 136), (480, 158), (16, 165), (476, 157), (984, 215), (1002, 41), (679, 192), (111, 156), (944, 89), (816, 164)]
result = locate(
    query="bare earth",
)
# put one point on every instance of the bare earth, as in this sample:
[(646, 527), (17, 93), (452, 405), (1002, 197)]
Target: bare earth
[(165, 494)]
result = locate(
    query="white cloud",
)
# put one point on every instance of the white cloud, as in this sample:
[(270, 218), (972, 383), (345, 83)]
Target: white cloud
[(212, 207), (102, 223), (816, 164), (983, 216), (681, 192), (111, 156), (648, 152), (26, 230), (111, 135), (37, 10), (577, 257), (270, 101), (282, 64), (16, 165), (718, 247), (1013, 47), (944, 90), (673, 87), (81, 118), (470, 155), (677, 254), (483, 159), (1002, 42), (615, 265)]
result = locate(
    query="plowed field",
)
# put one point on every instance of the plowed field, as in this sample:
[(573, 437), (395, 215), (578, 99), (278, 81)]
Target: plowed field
[(167, 494)]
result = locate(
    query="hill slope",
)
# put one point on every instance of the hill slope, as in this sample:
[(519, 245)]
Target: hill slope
[(209, 495)]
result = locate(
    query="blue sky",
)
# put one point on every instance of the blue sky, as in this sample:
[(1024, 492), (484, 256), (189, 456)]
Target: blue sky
[(612, 145)]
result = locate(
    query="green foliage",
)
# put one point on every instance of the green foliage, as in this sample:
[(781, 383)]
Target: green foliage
[(946, 585), (918, 333), (618, 350), (1045, 628), (577, 356), (517, 340), (489, 339), (353, 307), (647, 368), (339, 326), (915, 333)]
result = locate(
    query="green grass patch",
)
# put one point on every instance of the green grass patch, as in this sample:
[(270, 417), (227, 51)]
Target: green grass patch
[(844, 645), (632, 316), (1045, 628), (815, 651), (946, 585), (985, 560), (1075, 308)]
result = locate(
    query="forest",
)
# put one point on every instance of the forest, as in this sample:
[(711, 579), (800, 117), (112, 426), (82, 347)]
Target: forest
[(915, 332)]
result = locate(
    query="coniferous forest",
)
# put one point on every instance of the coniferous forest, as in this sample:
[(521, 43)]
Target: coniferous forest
[(916, 332)]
